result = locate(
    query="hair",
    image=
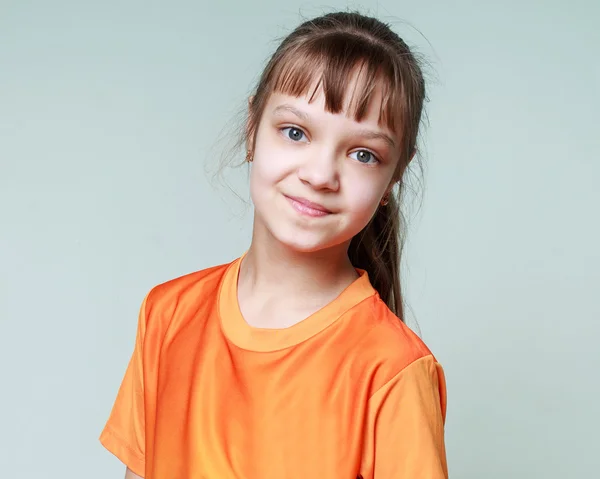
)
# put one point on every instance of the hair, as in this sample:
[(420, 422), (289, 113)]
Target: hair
[(325, 52)]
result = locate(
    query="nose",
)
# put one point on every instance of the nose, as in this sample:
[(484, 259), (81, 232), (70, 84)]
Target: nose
[(320, 171)]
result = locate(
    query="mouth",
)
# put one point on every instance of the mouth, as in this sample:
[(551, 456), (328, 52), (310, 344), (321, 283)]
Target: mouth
[(306, 207)]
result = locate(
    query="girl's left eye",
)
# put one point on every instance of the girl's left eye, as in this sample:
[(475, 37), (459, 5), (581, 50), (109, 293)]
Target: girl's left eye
[(364, 156), (293, 133)]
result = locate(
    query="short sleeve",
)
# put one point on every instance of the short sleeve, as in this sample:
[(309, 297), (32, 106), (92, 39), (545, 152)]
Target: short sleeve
[(124, 432), (406, 425)]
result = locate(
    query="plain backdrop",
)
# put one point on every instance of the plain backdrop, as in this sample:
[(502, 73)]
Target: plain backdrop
[(110, 114)]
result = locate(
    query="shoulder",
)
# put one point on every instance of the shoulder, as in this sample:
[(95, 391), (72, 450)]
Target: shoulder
[(387, 344), (186, 286), (185, 293)]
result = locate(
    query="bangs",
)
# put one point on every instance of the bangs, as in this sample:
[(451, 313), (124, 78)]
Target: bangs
[(330, 62)]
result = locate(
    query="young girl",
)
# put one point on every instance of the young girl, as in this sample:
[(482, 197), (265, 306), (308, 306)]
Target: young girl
[(293, 361)]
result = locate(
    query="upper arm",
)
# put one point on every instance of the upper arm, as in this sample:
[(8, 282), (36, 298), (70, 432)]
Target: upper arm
[(406, 425)]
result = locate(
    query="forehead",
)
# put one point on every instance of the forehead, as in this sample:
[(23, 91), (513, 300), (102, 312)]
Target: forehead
[(348, 85), (314, 101), (311, 108)]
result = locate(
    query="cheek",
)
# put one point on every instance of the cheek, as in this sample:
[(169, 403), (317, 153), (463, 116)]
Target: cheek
[(267, 171), (363, 199), (273, 162)]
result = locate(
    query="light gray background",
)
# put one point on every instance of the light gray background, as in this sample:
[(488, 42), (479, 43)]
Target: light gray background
[(109, 113)]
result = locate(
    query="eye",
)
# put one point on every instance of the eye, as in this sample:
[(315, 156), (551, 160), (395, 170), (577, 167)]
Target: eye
[(293, 133), (364, 156)]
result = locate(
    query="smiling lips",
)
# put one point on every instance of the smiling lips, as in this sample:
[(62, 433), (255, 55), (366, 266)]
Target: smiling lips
[(306, 207)]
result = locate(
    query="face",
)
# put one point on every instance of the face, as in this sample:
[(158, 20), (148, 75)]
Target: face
[(317, 178)]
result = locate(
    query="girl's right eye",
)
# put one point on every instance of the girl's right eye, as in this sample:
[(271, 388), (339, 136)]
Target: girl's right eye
[(293, 133)]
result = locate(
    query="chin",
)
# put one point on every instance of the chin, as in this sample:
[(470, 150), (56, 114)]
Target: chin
[(300, 234), (305, 242)]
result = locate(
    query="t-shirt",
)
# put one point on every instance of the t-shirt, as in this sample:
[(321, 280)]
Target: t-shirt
[(348, 392)]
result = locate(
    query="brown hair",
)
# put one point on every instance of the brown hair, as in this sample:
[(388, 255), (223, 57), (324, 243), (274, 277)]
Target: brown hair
[(326, 51)]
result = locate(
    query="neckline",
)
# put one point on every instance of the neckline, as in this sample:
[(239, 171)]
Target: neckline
[(248, 337)]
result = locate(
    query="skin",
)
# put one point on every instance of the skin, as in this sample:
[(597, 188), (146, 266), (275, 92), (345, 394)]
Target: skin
[(298, 262), (301, 150)]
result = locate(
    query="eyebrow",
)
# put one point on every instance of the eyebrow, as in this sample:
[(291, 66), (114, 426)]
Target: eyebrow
[(376, 135), (291, 109), (363, 133)]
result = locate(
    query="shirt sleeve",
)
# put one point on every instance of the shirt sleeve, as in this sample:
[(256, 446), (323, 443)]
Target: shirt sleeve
[(124, 432), (406, 425)]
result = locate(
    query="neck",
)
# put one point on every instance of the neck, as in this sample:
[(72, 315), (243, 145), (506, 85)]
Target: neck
[(270, 266)]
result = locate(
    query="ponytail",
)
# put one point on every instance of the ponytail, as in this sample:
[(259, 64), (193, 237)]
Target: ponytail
[(377, 249)]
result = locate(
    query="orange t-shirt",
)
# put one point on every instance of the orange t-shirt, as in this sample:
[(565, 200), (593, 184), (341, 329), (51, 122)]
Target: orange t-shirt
[(349, 391)]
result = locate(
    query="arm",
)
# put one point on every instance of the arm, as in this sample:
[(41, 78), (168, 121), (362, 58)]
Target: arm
[(406, 425)]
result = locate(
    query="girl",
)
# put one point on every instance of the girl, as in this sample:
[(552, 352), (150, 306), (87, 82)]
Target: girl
[(293, 361)]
